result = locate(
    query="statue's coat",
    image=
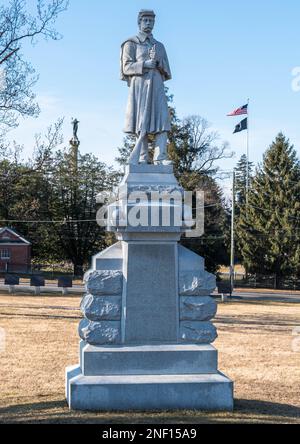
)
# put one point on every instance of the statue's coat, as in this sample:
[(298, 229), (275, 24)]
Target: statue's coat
[(147, 109)]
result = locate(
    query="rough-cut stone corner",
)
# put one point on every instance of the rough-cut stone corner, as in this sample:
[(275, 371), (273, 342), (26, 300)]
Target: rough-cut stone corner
[(193, 283), (100, 333), (198, 332), (197, 308), (103, 283), (102, 308)]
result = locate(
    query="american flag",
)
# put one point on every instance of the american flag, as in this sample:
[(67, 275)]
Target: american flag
[(239, 111)]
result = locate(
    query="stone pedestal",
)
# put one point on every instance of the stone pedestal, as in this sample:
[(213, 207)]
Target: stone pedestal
[(147, 330)]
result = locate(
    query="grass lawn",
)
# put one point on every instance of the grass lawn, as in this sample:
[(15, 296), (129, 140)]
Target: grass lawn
[(255, 350)]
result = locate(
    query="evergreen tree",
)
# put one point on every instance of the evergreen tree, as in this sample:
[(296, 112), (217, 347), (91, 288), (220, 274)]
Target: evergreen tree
[(213, 244), (241, 180), (269, 226), (241, 196)]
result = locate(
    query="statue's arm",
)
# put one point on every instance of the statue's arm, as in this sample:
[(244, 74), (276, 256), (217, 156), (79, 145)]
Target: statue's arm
[(129, 64), (164, 66)]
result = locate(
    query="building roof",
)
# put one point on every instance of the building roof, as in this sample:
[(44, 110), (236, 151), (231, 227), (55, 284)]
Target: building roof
[(12, 238)]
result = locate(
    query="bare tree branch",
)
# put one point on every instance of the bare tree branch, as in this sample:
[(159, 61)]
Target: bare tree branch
[(17, 26), (198, 149)]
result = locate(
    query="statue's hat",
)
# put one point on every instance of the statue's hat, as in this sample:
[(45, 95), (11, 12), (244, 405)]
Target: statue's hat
[(146, 12)]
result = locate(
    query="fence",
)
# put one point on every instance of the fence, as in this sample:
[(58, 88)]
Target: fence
[(15, 284), (271, 282), (50, 271)]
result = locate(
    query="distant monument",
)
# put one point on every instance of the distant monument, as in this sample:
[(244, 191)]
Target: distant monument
[(75, 124), (75, 142), (146, 334)]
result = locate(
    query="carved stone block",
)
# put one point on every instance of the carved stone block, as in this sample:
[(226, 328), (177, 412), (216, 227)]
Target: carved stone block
[(100, 333), (197, 308), (197, 332), (193, 283), (102, 308), (103, 283)]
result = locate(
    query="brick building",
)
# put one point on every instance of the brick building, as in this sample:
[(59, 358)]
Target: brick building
[(15, 252)]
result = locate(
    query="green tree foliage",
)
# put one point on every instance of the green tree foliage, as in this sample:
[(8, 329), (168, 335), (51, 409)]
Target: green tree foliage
[(241, 180), (74, 185), (241, 193), (212, 245), (24, 191), (52, 200), (269, 227)]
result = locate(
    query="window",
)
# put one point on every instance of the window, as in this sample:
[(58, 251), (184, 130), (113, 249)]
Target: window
[(4, 254)]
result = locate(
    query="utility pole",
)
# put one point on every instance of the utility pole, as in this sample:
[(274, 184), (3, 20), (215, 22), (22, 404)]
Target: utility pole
[(232, 259)]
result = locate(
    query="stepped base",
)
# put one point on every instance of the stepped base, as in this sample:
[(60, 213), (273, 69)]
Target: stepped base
[(211, 392), (148, 360)]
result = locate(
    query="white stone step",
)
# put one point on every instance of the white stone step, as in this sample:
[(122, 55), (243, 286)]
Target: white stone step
[(145, 360), (148, 392)]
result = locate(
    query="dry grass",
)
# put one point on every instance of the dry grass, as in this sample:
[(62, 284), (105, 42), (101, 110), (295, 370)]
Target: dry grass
[(255, 345), (238, 269)]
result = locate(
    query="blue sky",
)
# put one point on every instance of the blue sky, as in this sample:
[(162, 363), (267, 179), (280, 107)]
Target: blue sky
[(221, 53)]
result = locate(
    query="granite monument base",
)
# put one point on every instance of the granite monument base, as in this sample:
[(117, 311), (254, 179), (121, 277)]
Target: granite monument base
[(147, 329), (209, 392), (148, 378)]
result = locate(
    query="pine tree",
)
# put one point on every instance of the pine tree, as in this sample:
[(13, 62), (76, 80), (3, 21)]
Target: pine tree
[(212, 245), (269, 226), (241, 180), (241, 196)]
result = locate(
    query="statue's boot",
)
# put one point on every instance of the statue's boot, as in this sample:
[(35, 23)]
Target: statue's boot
[(160, 153), (140, 152), (144, 154)]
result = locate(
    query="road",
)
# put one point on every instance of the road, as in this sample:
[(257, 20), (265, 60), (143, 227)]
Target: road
[(244, 295), (265, 295)]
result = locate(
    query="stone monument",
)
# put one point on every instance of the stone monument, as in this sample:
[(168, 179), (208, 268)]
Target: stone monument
[(146, 334), (74, 144)]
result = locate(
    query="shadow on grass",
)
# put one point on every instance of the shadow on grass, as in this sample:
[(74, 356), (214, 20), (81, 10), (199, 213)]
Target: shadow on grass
[(267, 408), (57, 412)]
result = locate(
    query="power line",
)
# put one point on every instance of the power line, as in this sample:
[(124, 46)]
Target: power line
[(74, 221), (273, 211), (62, 222)]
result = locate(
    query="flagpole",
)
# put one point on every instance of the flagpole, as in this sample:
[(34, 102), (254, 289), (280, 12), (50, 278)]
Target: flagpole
[(248, 154), (232, 259)]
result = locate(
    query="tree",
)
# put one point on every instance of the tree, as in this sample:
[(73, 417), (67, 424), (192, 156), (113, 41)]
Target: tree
[(125, 150), (24, 191), (194, 151), (213, 244), (269, 226), (241, 196), (17, 75), (51, 200), (193, 147), (74, 185), (241, 179)]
